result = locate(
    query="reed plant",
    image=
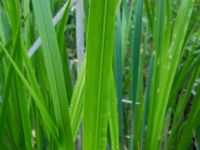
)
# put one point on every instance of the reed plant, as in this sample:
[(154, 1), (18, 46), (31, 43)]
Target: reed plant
[(136, 85)]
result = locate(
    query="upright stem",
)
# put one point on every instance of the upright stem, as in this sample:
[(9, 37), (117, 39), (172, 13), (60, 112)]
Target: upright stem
[(80, 46), (80, 32)]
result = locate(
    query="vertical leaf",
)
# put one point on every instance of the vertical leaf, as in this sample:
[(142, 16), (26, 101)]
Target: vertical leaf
[(54, 69), (136, 60), (118, 75), (100, 48)]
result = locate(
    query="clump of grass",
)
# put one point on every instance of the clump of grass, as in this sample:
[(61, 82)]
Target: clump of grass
[(52, 104)]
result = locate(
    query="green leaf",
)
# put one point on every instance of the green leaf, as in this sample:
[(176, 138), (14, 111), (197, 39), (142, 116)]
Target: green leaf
[(113, 117), (53, 65), (118, 75), (135, 63), (40, 106), (76, 105), (100, 48), (63, 52), (191, 123), (168, 66)]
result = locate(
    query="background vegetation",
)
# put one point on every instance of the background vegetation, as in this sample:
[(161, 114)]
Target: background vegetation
[(99, 74)]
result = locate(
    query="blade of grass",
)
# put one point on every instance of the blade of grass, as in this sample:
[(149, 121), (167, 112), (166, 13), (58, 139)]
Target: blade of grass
[(100, 48), (135, 62), (147, 99), (179, 111), (20, 89), (191, 124), (113, 117), (76, 106), (54, 70), (168, 70), (40, 106), (14, 18), (4, 26), (118, 76), (21, 97), (63, 52), (55, 21)]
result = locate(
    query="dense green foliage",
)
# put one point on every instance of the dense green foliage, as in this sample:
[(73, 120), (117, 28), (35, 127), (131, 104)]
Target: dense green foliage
[(138, 86)]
